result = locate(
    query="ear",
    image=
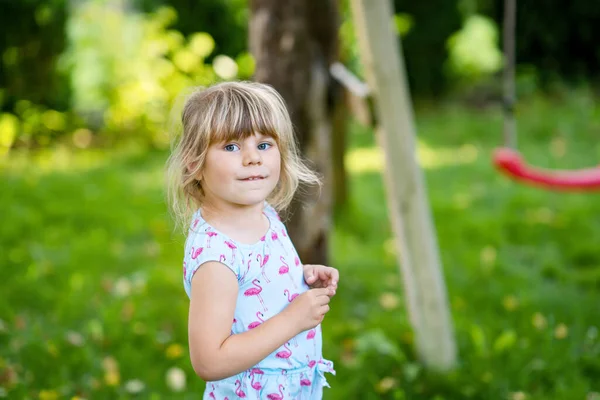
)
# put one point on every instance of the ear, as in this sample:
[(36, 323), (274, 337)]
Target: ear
[(192, 167)]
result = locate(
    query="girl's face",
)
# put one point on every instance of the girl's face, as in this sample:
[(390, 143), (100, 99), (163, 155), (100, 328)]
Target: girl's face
[(241, 172)]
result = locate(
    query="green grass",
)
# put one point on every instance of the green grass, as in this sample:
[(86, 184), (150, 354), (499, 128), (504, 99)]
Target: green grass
[(91, 279)]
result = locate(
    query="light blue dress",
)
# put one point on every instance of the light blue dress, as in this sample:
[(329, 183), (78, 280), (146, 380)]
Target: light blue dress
[(269, 275)]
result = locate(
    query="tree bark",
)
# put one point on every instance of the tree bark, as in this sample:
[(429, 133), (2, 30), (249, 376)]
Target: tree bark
[(293, 43)]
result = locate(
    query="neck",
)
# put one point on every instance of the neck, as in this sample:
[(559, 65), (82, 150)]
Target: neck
[(241, 216)]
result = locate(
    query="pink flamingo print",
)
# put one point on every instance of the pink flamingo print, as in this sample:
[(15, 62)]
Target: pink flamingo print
[(296, 261), (184, 269), (210, 236), (293, 296), (276, 396), (195, 223), (263, 262), (311, 363), (285, 269), (240, 393), (311, 336), (222, 258), (285, 354), (283, 232), (256, 323), (232, 247), (247, 270), (196, 252), (304, 381), (256, 292), (255, 385)]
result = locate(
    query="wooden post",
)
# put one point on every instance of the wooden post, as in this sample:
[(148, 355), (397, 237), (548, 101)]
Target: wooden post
[(420, 264), (510, 96)]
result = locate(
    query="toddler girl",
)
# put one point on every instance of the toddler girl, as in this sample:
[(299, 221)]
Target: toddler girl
[(254, 321)]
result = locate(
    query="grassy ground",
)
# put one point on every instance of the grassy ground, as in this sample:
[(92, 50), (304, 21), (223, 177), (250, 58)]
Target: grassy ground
[(94, 305)]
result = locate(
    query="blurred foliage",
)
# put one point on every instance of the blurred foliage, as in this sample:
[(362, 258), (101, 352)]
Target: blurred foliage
[(96, 72), (424, 46), (126, 70), (558, 39), (225, 20), (32, 37), (93, 304), (473, 51)]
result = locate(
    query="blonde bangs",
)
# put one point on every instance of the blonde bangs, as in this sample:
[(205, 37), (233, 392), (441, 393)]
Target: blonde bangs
[(239, 114)]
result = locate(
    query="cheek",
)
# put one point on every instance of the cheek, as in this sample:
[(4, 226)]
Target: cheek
[(216, 170)]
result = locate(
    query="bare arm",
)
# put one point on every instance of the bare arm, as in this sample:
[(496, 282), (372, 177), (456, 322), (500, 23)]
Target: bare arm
[(214, 352)]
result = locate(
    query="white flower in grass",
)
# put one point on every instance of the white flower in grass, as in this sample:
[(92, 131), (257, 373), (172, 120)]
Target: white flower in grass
[(176, 379), (122, 287), (134, 386)]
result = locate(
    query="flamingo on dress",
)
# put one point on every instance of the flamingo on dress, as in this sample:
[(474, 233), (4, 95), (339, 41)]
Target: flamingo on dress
[(232, 247), (210, 235), (304, 381), (256, 323), (311, 336), (238, 389), (276, 396), (247, 270), (255, 291), (285, 269), (196, 252), (255, 385), (285, 354), (290, 298), (263, 262)]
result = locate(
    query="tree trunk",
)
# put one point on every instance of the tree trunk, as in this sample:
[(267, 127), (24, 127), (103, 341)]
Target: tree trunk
[(294, 42), (424, 286)]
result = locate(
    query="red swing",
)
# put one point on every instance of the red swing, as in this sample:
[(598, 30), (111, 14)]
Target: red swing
[(508, 160)]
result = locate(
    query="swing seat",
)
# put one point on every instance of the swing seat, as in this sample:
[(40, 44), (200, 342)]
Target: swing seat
[(510, 162)]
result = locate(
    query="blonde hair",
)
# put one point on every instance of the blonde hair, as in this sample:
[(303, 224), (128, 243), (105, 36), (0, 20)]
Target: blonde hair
[(225, 112)]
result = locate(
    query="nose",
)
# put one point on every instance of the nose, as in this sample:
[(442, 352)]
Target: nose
[(252, 156)]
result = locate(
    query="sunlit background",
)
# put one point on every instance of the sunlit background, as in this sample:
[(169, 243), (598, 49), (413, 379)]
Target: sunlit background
[(93, 305)]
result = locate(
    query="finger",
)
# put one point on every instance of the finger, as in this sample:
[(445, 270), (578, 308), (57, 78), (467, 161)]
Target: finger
[(335, 276), (326, 291), (309, 273), (324, 300), (324, 309)]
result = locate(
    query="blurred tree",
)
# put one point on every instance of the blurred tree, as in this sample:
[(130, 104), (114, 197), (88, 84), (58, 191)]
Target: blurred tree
[(294, 43), (225, 20), (425, 43), (558, 38), (32, 36)]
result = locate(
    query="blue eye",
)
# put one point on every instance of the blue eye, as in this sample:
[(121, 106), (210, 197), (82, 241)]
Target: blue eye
[(264, 146), (231, 147)]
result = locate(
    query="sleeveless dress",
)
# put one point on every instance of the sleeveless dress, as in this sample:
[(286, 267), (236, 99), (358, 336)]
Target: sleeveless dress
[(269, 275)]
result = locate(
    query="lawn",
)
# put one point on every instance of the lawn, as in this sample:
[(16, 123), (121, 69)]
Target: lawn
[(94, 305)]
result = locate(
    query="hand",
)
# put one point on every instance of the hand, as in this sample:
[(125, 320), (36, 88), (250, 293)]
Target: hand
[(320, 276), (309, 308)]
